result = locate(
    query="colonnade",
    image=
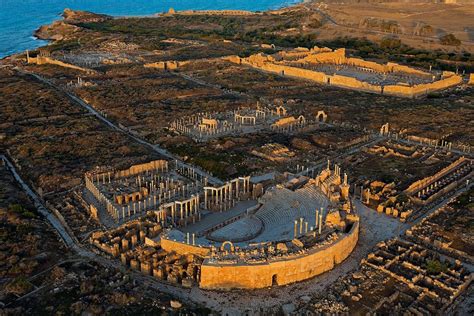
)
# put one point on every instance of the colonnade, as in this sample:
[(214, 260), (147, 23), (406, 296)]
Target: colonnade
[(180, 212), (290, 126), (157, 193), (245, 119), (228, 192), (301, 227)]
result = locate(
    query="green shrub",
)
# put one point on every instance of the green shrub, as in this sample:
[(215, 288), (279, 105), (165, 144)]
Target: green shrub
[(435, 267)]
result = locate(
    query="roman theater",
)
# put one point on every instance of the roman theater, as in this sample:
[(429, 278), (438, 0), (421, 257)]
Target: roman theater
[(167, 221)]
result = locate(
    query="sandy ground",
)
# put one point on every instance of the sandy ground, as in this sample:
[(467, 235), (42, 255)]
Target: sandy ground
[(346, 19)]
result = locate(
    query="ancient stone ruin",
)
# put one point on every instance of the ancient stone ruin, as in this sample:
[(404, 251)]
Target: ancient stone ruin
[(333, 67), (234, 235)]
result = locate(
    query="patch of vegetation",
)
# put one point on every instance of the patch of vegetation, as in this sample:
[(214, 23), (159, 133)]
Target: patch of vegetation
[(224, 165), (19, 209), (64, 45), (435, 267), (450, 39), (465, 200), (19, 286)]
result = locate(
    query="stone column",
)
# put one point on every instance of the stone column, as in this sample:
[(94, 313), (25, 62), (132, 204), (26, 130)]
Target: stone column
[(316, 219), (320, 223)]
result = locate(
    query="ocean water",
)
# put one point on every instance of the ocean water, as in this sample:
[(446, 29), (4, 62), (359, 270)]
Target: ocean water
[(20, 18)]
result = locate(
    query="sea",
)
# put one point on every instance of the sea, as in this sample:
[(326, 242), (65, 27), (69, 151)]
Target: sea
[(20, 18)]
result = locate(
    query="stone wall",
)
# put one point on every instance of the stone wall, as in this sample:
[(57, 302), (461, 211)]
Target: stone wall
[(357, 62), (182, 248), (279, 272), (422, 89), (353, 83), (42, 60), (337, 57), (167, 65), (278, 65), (140, 168), (394, 67), (416, 186), (318, 77)]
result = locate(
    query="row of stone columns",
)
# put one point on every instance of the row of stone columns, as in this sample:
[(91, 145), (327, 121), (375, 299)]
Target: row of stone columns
[(215, 132), (433, 143), (301, 226), (443, 181), (193, 239), (288, 128), (180, 211), (245, 119), (228, 192), (190, 172), (100, 178), (102, 199), (337, 170)]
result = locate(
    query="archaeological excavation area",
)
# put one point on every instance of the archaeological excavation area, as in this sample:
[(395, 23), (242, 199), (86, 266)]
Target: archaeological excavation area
[(170, 225), (239, 163)]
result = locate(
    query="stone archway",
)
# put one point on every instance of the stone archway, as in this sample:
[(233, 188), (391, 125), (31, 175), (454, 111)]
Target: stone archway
[(225, 243), (384, 129), (301, 120), (280, 111), (321, 116)]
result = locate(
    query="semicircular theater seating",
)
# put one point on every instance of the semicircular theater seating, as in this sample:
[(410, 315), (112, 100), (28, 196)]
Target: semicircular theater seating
[(281, 207), (241, 230)]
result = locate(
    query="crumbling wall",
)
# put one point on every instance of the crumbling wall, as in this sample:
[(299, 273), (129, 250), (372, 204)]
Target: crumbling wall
[(337, 57), (398, 90), (285, 121), (269, 63), (353, 83), (420, 139), (394, 67), (42, 60), (367, 64), (437, 85), (182, 248), (319, 77), (233, 59), (291, 71), (282, 271), (149, 166), (167, 65), (422, 89)]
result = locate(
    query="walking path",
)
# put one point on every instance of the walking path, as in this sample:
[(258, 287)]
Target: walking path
[(53, 220)]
